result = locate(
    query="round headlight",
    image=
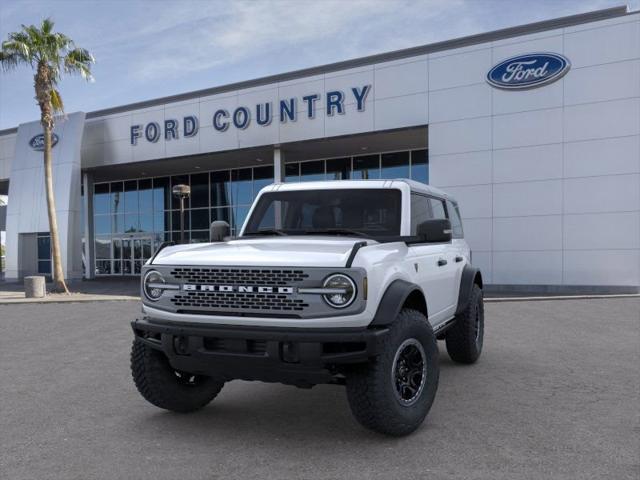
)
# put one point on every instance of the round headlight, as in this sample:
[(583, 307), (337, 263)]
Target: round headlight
[(344, 290), (149, 285)]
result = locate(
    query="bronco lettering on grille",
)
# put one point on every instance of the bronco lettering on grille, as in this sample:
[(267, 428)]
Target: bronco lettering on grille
[(237, 288)]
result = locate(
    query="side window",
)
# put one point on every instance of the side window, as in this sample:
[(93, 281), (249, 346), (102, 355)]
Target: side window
[(420, 211), (437, 208), (456, 223)]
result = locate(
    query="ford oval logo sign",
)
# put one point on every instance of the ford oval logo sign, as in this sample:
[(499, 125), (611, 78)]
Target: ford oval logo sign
[(37, 142), (528, 71)]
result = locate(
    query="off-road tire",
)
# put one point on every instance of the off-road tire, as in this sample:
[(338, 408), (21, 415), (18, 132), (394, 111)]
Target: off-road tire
[(164, 387), (464, 339), (371, 387)]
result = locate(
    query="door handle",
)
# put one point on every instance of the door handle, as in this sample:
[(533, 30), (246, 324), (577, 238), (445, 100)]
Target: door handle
[(442, 262), (459, 259)]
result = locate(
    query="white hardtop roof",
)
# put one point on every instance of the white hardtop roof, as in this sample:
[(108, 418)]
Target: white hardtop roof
[(344, 184)]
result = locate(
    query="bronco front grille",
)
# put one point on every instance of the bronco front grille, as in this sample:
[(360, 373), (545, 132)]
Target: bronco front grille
[(229, 276), (238, 301)]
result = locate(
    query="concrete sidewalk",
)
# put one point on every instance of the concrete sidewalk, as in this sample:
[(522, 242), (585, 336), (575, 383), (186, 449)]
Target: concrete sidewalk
[(103, 289)]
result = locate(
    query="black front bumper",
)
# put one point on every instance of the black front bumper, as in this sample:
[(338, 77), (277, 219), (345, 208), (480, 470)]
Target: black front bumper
[(296, 356)]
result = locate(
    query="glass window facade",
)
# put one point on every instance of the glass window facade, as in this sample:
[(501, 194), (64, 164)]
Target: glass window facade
[(412, 164), (132, 218), (44, 253)]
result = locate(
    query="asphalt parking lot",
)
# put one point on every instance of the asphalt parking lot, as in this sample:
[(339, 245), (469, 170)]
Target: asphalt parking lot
[(556, 394)]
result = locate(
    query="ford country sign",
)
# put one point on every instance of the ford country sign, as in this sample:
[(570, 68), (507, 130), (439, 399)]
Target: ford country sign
[(37, 142), (528, 71)]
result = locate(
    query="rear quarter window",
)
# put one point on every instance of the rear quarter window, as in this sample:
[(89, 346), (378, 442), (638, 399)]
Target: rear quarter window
[(456, 222)]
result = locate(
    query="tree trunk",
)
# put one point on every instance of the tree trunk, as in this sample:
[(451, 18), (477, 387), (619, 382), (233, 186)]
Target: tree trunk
[(59, 284), (43, 86)]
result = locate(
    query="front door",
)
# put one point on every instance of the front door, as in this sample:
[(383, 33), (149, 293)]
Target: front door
[(130, 253)]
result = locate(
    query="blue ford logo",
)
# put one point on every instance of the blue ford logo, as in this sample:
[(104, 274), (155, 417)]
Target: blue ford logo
[(37, 142), (528, 71)]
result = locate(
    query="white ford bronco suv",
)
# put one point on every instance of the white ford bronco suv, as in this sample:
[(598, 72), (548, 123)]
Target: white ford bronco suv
[(347, 282)]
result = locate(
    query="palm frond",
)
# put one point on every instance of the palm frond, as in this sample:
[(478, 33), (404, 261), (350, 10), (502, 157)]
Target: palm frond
[(79, 61), (51, 53), (47, 26), (16, 47), (63, 42), (56, 101), (9, 61)]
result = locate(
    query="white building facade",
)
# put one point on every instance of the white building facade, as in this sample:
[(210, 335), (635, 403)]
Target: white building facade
[(534, 129)]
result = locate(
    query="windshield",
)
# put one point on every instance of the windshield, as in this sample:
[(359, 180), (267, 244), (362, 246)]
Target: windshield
[(359, 212)]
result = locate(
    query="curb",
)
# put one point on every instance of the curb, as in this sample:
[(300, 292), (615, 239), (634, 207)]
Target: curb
[(114, 298), (559, 297)]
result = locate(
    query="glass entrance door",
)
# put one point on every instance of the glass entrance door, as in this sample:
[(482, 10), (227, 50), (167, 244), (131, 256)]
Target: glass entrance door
[(130, 253)]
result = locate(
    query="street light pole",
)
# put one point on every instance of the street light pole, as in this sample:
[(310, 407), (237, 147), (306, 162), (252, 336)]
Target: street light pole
[(182, 192)]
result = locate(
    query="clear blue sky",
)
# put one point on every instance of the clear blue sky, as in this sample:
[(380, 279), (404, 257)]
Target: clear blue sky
[(149, 49)]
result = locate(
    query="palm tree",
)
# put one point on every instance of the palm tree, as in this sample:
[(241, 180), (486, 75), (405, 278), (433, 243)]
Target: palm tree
[(50, 55)]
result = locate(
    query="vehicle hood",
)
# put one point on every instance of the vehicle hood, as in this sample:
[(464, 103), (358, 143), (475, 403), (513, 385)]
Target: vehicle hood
[(310, 251)]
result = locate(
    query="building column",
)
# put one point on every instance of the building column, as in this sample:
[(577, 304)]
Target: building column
[(87, 221), (278, 165)]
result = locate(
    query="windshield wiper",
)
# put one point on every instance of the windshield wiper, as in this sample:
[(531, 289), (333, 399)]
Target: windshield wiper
[(267, 231), (338, 231)]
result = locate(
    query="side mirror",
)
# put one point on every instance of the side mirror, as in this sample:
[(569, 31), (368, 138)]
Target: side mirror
[(435, 231), (219, 230)]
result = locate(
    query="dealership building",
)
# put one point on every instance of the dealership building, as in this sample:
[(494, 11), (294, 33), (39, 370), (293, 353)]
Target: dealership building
[(535, 129)]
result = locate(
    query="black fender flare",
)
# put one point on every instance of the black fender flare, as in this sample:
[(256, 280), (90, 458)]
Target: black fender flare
[(393, 300), (470, 276)]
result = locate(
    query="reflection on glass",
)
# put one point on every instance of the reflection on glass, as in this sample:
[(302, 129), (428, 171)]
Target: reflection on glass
[(420, 166), (437, 208), (200, 218), (220, 192), (312, 171), (117, 248), (175, 220), (101, 198), (240, 216), (339, 169), (103, 247), (117, 223), (199, 236), (146, 249), (131, 223), (102, 224), (103, 267), (116, 197), (161, 222), (200, 190), (44, 247), (44, 266), (161, 194), (241, 189), (292, 172), (145, 195), (137, 248), (131, 203), (144, 205), (146, 222), (262, 176), (395, 165), (126, 248), (366, 167), (223, 214)]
